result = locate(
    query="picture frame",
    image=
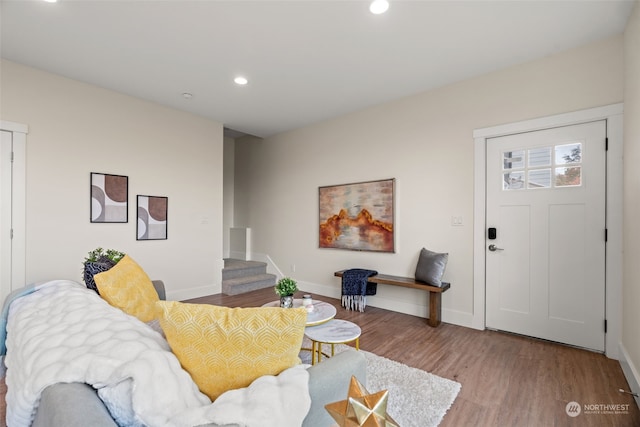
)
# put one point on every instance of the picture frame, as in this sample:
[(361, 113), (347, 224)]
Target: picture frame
[(152, 217), (109, 198), (358, 216)]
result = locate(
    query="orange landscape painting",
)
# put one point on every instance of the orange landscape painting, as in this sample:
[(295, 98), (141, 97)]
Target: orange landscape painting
[(358, 216)]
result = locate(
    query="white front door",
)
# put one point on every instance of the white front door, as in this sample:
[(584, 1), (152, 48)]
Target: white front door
[(545, 265)]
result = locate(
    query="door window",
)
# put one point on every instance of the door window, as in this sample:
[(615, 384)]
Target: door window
[(542, 167)]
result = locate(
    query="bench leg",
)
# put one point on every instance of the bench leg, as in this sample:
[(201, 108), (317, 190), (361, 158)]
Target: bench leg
[(435, 308)]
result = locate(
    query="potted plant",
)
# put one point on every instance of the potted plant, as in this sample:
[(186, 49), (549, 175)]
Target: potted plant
[(97, 261), (285, 288)]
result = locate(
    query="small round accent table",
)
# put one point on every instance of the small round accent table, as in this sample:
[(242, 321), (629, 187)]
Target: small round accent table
[(322, 311), (336, 331)]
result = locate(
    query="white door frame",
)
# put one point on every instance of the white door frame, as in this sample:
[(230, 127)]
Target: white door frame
[(18, 205), (613, 115)]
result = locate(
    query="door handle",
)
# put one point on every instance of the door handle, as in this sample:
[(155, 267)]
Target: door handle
[(494, 248)]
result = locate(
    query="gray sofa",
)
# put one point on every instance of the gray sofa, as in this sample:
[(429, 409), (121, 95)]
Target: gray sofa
[(78, 405)]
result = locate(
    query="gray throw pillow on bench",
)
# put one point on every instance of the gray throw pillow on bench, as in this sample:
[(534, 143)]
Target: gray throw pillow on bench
[(431, 267)]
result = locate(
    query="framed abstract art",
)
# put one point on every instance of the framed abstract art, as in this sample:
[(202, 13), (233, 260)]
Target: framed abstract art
[(358, 216), (109, 198), (152, 218)]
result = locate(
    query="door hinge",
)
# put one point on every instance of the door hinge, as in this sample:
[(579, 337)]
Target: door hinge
[(12, 157), (606, 144), (605, 326), (11, 234), (606, 234)]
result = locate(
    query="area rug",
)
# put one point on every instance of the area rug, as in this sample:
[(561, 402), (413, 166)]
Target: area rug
[(416, 398)]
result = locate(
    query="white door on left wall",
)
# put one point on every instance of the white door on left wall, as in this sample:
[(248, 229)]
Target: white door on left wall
[(6, 148), (13, 192)]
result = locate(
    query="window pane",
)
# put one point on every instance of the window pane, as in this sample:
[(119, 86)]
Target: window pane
[(540, 178), (540, 157), (568, 153), (568, 176), (513, 181), (513, 159)]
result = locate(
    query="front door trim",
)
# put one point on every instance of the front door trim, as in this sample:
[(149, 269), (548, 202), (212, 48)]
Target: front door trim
[(613, 115)]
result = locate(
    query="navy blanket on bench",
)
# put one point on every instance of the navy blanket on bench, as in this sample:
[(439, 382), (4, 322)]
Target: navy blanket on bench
[(356, 287)]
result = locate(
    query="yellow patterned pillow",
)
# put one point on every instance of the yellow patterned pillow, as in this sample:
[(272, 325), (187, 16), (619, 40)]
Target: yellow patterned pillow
[(127, 287), (228, 348)]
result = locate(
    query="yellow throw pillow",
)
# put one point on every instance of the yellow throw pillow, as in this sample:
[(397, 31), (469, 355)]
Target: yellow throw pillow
[(228, 348), (127, 287)]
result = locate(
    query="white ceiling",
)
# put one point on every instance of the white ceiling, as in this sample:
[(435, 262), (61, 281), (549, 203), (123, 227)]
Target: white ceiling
[(306, 61)]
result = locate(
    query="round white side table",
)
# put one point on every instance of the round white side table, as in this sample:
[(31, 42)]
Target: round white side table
[(322, 311), (336, 331)]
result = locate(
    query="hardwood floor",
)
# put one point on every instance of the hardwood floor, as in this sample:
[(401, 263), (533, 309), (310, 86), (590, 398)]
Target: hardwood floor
[(507, 380)]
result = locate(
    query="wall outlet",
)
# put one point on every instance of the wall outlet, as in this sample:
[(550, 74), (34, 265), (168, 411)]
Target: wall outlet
[(293, 268), (456, 221)]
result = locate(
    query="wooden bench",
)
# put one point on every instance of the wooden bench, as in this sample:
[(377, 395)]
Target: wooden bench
[(435, 293)]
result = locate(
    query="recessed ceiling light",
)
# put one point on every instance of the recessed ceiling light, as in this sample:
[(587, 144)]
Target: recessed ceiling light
[(241, 80), (51, 1), (379, 6), (187, 95)]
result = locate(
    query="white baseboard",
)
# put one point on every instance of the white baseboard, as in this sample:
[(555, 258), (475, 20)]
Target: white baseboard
[(324, 290), (455, 317), (272, 268), (630, 372)]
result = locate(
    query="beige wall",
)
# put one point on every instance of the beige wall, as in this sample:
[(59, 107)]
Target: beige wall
[(631, 286), (75, 129), (425, 142)]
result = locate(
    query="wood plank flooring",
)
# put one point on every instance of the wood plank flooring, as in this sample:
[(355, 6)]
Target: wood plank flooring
[(507, 380)]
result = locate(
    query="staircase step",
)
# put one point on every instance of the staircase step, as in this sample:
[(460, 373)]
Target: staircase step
[(234, 268), (239, 285)]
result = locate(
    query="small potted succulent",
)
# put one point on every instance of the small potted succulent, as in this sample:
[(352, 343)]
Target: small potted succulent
[(285, 288)]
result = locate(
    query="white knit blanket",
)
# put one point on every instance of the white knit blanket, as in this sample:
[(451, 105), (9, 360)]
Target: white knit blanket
[(64, 332)]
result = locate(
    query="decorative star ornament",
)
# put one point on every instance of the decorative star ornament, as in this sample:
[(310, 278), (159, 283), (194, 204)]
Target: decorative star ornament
[(361, 409)]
